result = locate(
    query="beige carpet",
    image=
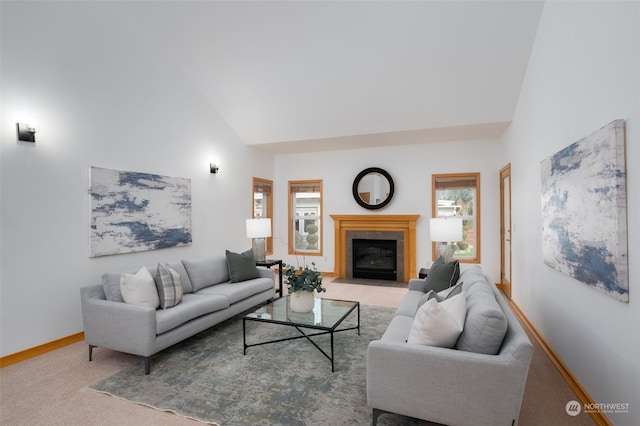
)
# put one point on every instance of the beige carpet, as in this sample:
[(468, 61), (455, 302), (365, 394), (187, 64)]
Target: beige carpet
[(52, 389)]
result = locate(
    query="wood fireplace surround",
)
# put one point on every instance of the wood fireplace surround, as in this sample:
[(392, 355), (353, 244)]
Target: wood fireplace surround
[(375, 222)]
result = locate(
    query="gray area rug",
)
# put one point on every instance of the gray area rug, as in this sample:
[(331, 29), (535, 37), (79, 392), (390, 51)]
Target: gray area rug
[(289, 383)]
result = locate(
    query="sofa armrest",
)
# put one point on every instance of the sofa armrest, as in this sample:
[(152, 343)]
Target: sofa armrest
[(116, 325), (266, 273), (417, 284), (445, 385)]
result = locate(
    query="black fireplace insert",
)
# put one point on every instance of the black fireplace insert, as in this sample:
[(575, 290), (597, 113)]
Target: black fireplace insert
[(376, 259)]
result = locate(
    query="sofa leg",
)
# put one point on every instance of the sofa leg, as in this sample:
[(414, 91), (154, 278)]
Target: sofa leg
[(376, 414), (147, 365), (91, 352)]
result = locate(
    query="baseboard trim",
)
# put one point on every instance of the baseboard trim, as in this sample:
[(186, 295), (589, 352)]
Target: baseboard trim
[(41, 349), (599, 418)]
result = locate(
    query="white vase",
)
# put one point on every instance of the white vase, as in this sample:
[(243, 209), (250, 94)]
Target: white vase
[(301, 301)]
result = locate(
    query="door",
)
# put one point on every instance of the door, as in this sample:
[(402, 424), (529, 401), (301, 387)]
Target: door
[(262, 199), (505, 230)]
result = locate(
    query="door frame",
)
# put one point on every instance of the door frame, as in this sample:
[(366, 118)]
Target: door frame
[(505, 285)]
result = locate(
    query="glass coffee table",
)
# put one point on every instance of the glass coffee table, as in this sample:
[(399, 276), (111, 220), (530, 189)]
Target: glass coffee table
[(326, 316)]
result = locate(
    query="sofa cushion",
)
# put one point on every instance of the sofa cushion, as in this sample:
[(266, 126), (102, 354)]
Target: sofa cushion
[(236, 292), (442, 275), (111, 286), (206, 272), (169, 286), (398, 329), (192, 306), (242, 266), (485, 325), (439, 323), (139, 288), (472, 274), (409, 304)]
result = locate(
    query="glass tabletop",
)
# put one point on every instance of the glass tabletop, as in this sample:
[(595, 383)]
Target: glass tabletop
[(327, 314)]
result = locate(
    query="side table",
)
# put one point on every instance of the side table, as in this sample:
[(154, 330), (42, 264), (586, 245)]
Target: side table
[(272, 262)]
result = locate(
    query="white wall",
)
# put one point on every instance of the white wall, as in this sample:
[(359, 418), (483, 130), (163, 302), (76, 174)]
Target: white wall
[(584, 72), (411, 167), (100, 95)]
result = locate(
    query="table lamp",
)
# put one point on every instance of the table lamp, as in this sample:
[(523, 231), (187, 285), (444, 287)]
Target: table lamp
[(259, 229), (445, 230)]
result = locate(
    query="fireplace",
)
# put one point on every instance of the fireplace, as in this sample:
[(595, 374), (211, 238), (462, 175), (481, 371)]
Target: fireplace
[(375, 237), (388, 227), (375, 259)]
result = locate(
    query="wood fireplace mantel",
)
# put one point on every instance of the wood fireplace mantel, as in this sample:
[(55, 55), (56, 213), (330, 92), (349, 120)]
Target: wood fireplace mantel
[(405, 223)]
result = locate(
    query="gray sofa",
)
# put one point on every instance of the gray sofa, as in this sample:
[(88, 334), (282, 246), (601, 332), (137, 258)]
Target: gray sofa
[(208, 299), (450, 385)]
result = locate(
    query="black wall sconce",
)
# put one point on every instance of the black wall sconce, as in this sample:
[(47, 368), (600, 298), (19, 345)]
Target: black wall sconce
[(26, 133), (213, 168)]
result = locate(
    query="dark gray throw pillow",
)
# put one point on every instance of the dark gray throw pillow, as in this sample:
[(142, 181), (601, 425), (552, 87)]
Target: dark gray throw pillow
[(242, 266), (442, 275)]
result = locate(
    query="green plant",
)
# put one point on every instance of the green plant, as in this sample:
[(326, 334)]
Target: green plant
[(307, 278)]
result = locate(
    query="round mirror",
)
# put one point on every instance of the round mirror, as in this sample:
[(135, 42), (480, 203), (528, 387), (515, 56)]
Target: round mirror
[(373, 188)]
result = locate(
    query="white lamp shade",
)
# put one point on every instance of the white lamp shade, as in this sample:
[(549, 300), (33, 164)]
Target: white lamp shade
[(258, 228), (445, 229)]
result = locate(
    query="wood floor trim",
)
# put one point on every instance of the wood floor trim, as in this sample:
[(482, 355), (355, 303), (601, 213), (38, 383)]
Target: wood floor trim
[(41, 349), (599, 418)]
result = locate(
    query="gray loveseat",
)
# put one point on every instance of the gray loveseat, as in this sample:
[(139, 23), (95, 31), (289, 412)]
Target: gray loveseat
[(208, 299), (450, 385)]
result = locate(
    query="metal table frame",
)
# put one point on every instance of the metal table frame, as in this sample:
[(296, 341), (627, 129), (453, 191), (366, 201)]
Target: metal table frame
[(298, 326)]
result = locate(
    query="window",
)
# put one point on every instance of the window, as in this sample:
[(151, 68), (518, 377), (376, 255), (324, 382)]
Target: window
[(263, 204), (305, 217), (459, 195)]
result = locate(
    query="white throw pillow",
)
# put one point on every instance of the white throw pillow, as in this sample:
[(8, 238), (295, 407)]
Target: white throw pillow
[(439, 324), (139, 289)]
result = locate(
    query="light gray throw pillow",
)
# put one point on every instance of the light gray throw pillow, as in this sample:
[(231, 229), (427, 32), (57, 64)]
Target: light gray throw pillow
[(443, 295), (111, 286)]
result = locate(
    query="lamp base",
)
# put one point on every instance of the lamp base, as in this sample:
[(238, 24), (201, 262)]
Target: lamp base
[(445, 251), (259, 249)]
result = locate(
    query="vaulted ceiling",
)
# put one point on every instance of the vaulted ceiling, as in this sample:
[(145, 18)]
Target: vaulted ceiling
[(297, 76)]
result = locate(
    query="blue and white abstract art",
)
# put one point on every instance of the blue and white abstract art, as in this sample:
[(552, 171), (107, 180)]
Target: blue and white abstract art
[(133, 212), (584, 211)]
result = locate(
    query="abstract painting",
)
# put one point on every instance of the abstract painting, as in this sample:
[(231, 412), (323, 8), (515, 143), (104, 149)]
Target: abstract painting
[(584, 212), (133, 212)]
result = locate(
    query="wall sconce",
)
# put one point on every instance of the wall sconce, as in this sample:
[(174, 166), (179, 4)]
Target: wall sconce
[(213, 169), (26, 133)]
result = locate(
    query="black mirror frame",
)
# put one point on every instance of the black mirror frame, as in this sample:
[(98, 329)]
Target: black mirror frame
[(362, 174)]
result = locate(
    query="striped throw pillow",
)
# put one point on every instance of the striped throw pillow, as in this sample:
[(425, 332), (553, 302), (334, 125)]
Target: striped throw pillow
[(169, 286)]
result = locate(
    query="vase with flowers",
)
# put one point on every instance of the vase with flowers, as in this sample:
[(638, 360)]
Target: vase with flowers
[(301, 283)]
